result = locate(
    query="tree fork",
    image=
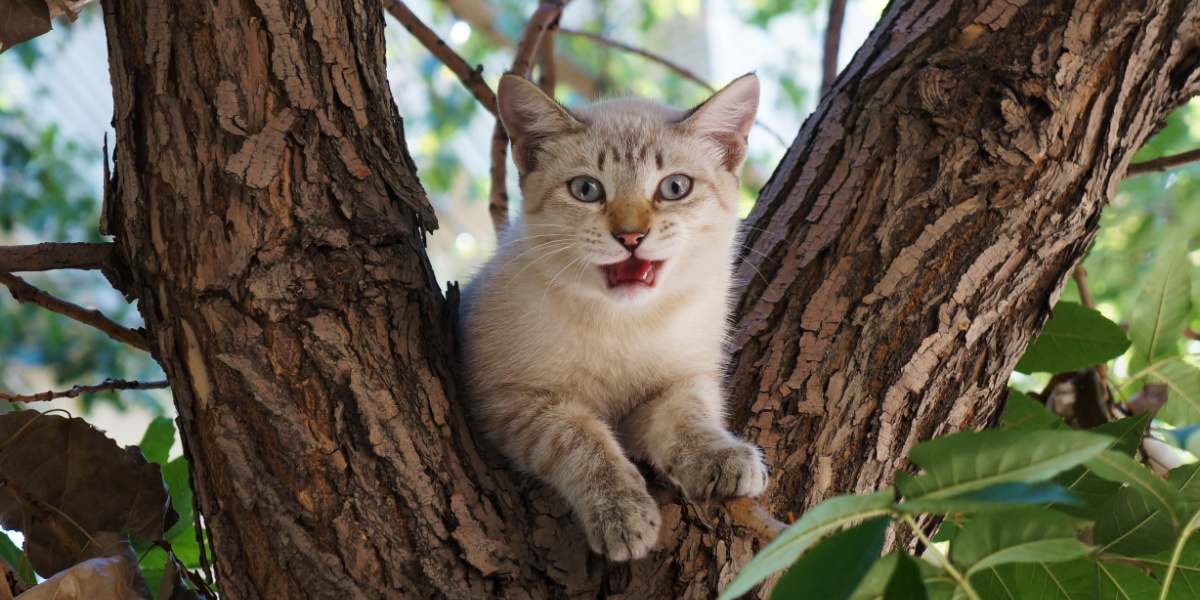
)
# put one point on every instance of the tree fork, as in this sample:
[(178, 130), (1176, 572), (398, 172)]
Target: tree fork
[(273, 228)]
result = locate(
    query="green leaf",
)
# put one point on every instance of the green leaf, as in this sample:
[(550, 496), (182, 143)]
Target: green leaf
[(1094, 493), (1075, 337), (893, 577), (1024, 413), (1127, 433), (1185, 582), (1023, 535), (833, 568), (1183, 389), (157, 441), (825, 518), (1002, 496), (12, 554), (939, 585), (1114, 466), (1132, 525), (1082, 579), (182, 535), (968, 461), (1160, 311)]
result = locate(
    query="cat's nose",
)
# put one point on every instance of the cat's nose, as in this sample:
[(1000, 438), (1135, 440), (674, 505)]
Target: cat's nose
[(630, 239)]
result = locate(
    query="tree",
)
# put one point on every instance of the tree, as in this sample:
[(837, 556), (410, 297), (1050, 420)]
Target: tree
[(270, 224)]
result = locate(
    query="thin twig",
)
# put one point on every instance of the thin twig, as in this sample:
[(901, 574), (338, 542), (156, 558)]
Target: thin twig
[(482, 16), (1080, 277), (23, 292), (1163, 163), (543, 18), (679, 69), (79, 390), (471, 77), (51, 256), (547, 75), (665, 62), (833, 41), (748, 513)]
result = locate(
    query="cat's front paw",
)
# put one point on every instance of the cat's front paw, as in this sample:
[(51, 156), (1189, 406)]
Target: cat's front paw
[(720, 472), (622, 525)]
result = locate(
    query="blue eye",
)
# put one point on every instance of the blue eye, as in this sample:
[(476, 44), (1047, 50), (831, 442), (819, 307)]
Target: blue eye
[(586, 189), (674, 187)]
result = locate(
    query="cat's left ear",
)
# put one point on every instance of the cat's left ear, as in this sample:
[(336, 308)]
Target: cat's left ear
[(530, 117), (726, 118)]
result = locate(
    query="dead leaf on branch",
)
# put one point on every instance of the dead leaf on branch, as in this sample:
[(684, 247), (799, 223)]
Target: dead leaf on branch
[(62, 483), (22, 20), (113, 576)]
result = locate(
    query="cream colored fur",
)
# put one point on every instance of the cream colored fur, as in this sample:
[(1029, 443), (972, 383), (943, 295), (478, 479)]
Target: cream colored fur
[(569, 378)]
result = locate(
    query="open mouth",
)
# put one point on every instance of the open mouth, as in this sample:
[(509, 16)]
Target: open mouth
[(631, 271)]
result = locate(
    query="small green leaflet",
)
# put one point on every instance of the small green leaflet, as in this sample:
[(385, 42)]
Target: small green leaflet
[(157, 441), (893, 577), (1161, 308), (824, 519), (1021, 535), (1022, 412), (968, 461), (833, 568), (1075, 337)]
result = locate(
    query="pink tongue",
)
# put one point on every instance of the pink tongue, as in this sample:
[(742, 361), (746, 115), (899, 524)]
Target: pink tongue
[(631, 270)]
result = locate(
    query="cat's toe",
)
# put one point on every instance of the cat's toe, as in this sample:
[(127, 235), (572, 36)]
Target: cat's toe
[(623, 526), (723, 472)]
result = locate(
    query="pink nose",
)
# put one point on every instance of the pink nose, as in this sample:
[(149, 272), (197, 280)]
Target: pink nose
[(630, 239)]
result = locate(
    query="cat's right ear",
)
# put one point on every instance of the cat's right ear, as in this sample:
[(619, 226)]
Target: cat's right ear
[(530, 117)]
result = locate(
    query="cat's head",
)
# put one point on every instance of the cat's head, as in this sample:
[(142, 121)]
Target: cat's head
[(627, 197)]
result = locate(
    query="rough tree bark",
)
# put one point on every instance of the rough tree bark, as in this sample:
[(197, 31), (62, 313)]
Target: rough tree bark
[(269, 221)]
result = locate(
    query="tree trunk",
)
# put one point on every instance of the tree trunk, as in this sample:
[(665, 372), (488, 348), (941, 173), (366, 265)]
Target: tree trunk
[(271, 225)]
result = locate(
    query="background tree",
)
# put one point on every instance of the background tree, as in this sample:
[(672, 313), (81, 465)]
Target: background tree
[(268, 220)]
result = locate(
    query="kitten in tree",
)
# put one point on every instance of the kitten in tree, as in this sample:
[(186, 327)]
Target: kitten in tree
[(596, 333)]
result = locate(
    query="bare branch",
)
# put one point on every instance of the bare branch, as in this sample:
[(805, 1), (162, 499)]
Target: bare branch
[(481, 15), (1163, 163), (51, 256), (471, 77), (677, 68), (833, 41), (748, 513), (23, 292), (79, 390), (67, 8), (1080, 277), (670, 65), (547, 72), (545, 17)]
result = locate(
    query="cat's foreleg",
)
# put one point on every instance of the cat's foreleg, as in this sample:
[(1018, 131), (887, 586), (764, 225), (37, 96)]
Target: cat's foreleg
[(573, 450), (682, 433)]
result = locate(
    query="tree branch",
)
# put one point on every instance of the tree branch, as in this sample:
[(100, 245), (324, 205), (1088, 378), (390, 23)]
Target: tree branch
[(23, 292), (749, 514), (79, 390), (51, 256), (677, 68), (481, 15), (1163, 163), (471, 77), (545, 17), (665, 62), (547, 76), (833, 40)]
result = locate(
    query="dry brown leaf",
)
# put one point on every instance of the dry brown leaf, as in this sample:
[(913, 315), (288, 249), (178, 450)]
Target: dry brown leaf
[(111, 577), (62, 483), (22, 20)]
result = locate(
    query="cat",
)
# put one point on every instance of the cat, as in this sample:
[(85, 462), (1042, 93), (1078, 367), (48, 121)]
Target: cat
[(597, 330)]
